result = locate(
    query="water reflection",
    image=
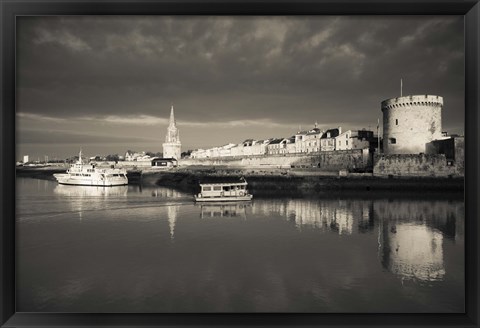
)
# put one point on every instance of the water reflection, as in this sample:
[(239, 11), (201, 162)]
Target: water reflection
[(166, 193), (341, 216), (281, 254), (224, 210), (410, 233), (90, 191), (411, 236), (412, 251), (172, 212)]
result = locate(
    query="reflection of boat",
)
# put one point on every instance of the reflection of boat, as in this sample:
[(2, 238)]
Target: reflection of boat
[(223, 192), (81, 174), (223, 209), (90, 191)]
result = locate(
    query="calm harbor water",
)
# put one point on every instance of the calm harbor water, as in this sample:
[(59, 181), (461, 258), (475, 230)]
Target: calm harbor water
[(132, 249)]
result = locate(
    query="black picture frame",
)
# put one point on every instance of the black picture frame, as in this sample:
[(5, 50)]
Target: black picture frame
[(10, 9)]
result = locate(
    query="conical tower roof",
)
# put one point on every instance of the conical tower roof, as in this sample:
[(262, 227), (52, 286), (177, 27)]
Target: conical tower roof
[(172, 118)]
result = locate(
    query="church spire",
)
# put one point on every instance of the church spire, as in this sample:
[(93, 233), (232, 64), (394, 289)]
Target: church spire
[(172, 118), (172, 145)]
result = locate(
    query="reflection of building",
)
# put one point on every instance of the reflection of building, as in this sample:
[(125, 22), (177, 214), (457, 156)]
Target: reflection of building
[(166, 193), (413, 251), (223, 210), (340, 216), (172, 146), (172, 212)]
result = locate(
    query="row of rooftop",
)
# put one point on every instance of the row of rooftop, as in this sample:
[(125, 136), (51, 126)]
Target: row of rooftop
[(309, 141)]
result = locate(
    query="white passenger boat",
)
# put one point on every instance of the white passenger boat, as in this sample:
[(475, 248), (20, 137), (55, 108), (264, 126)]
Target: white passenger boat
[(81, 174), (223, 192)]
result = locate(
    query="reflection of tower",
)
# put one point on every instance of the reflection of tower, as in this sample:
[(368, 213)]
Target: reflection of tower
[(412, 250), (172, 219), (172, 147), (367, 221)]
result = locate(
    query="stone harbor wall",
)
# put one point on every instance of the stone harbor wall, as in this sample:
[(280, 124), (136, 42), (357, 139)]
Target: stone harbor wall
[(418, 165), (329, 160)]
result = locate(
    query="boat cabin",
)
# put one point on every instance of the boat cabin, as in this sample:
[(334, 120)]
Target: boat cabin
[(223, 189)]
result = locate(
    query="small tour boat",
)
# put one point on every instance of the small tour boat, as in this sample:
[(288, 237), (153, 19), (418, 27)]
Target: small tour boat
[(223, 192), (80, 174)]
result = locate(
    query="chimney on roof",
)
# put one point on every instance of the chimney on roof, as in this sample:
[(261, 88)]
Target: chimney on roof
[(339, 130)]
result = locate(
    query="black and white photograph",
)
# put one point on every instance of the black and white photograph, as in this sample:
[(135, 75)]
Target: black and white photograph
[(240, 164)]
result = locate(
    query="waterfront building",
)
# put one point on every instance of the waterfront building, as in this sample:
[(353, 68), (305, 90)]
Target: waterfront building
[(164, 162), (308, 141), (300, 137), (311, 140), (453, 147), (259, 147), (172, 148), (144, 158), (327, 142), (274, 147), (237, 150), (410, 122), (134, 156), (247, 147), (354, 139), (290, 145), (25, 159)]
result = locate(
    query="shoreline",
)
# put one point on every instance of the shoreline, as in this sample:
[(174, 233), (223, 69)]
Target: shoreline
[(277, 181)]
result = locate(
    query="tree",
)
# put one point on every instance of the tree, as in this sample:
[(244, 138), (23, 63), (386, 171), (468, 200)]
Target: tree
[(186, 153), (152, 154), (112, 158)]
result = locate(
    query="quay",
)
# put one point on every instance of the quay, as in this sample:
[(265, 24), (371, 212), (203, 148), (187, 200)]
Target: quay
[(279, 181)]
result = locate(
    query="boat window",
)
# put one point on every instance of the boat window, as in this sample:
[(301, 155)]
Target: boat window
[(217, 188), (207, 188), (226, 188)]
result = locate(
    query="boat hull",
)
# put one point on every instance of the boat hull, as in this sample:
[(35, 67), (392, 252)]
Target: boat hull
[(66, 179), (223, 199)]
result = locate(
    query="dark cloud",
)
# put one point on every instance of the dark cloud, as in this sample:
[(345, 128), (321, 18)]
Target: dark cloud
[(287, 70), (71, 137)]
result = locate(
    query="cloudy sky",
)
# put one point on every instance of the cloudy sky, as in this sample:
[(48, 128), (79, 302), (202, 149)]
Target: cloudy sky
[(106, 84)]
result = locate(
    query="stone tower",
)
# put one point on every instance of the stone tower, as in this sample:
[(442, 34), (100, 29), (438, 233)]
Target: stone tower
[(172, 148), (410, 122)]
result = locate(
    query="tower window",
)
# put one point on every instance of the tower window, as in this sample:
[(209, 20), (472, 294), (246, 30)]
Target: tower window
[(396, 121), (392, 140)]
